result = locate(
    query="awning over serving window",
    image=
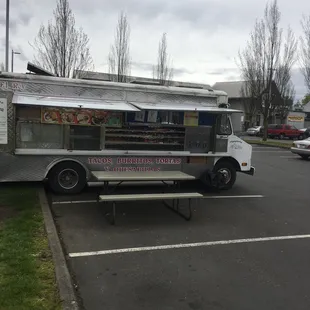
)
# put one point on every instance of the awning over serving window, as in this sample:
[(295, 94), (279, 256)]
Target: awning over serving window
[(71, 102), (182, 107)]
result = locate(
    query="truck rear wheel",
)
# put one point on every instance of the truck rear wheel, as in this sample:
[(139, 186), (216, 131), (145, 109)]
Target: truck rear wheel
[(67, 178), (228, 174)]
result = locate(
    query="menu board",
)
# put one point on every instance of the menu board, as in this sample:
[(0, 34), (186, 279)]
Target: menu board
[(3, 121), (65, 116), (190, 118)]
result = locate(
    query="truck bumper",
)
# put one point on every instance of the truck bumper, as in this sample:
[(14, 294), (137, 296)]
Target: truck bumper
[(249, 172)]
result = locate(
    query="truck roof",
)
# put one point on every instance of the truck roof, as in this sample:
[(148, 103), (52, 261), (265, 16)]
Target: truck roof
[(24, 77)]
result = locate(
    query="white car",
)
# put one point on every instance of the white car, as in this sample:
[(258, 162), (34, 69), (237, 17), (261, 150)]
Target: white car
[(254, 131), (302, 148)]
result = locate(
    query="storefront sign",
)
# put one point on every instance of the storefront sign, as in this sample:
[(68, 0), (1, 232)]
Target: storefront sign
[(3, 121), (139, 164), (11, 86), (191, 118), (80, 117), (295, 118)]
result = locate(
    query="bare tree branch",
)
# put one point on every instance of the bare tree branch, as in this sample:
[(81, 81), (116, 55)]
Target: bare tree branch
[(305, 50), (265, 54), (60, 47), (163, 71), (119, 56)]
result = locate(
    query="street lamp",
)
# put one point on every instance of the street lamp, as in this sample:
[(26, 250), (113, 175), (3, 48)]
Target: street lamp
[(7, 23), (13, 53)]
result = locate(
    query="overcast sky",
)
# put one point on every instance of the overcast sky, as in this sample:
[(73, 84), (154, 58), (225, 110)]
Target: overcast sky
[(204, 36)]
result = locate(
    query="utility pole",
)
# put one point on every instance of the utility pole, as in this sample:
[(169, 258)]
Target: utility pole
[(7, 35)]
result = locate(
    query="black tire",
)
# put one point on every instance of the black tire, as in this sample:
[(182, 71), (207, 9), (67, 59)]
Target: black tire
[(229, 167), (69, 170), (304, 156), (281, 136)]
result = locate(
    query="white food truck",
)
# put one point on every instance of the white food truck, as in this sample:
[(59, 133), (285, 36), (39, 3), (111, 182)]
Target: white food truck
[(61, 129)]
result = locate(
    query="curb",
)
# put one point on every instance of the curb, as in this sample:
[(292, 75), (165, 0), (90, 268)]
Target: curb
[(63, 278)]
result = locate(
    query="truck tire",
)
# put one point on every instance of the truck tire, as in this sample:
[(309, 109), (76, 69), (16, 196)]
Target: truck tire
[(281, 136), (67, 178), (228, 172)]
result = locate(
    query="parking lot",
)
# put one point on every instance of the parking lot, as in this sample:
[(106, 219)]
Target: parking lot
[(246, 251)]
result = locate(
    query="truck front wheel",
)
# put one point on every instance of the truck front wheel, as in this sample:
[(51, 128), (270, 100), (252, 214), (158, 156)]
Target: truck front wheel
[(227, 174), (67, 178)]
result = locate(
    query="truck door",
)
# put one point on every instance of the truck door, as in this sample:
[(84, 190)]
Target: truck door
[(223, 131)]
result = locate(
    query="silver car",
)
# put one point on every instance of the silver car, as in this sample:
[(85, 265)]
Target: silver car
[(254, 131), (302, 148)]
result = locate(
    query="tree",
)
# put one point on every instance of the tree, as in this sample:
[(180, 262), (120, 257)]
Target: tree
[(119, 56), (305, 50), (250, 102), (61, 47), (306, 99), (163, 71), (265, 54)]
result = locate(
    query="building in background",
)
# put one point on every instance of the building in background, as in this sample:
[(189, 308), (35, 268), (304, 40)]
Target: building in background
[(238, 101)]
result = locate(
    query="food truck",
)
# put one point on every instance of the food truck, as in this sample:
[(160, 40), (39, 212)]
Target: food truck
[(61, 129)]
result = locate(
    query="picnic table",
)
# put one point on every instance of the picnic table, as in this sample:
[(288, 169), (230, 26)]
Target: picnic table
[(163, 176)]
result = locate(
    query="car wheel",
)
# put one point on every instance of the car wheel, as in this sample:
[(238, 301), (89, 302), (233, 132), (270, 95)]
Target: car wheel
[(301, 137), (67, 178), (281, 136), (227, 174), (304, 156)]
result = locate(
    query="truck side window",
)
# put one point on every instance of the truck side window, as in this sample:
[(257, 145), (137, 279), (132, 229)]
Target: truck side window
[(224, 126)]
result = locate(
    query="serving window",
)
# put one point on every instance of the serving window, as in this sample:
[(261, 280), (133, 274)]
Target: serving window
[(32, 134)]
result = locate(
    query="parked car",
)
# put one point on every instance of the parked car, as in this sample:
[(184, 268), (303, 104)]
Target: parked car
[(305, 132), (302, 148), (254, 131), (283, 131)]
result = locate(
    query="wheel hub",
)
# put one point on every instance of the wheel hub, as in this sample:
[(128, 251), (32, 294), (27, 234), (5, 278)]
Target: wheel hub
[(225, 175), (68, 178)]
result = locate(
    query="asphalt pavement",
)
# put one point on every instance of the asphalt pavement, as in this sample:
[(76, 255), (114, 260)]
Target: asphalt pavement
[(249, 251)]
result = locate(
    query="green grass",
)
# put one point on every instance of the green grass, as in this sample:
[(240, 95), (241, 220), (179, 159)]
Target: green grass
[(27, 277), (271, 143)]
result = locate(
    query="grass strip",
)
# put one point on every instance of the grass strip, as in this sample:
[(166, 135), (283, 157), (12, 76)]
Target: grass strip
[(27, 276), (270, 143)]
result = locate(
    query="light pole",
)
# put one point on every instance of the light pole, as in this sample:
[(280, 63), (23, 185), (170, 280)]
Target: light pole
[(7, 22), (12, 60)]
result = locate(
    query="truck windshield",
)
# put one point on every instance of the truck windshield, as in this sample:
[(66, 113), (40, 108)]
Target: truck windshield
[(224, 127)]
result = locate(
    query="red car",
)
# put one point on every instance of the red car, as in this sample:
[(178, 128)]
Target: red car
[(284, 131)]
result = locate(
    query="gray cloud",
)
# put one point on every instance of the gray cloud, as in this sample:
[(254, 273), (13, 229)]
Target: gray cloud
[(223, 71), (148, 67), (25, 18)]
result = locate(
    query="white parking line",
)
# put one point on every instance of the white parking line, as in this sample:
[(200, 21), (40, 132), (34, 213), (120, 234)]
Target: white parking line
[(236, 196), (204, 197), (73, 202), (292, 156), (272, 151), (187, 245)]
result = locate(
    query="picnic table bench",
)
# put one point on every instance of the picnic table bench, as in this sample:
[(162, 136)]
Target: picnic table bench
[(163, 176)]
